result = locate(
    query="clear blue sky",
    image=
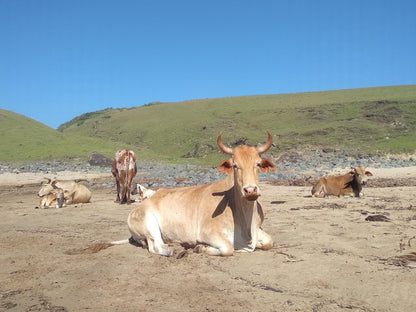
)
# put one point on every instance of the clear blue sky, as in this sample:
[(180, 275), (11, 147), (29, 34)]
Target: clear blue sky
[(60, 59)]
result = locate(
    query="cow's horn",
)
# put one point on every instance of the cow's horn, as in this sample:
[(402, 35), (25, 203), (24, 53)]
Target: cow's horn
[(222, 147), (262, 148), (47, 179)]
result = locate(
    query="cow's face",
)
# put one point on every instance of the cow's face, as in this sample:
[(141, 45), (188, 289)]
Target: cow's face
[(47, 188), (361, 174), (245, 165)]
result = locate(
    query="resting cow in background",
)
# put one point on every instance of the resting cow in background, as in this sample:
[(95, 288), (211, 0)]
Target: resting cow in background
[(144, 192), (215, 218), (74, 193), (124, 169), (347, 184), (54, 199)]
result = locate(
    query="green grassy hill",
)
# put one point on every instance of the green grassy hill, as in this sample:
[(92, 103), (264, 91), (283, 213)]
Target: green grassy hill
[(24, 139), (370, 120)]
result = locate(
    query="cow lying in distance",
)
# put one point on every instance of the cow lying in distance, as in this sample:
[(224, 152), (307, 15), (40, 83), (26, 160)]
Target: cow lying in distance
[(74, 193), (347, 184), (144, 192), (124, 169), (55, 198)]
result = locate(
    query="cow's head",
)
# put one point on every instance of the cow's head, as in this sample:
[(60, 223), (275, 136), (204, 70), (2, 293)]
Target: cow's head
[(360, 174), (47, 188), (245, 164)]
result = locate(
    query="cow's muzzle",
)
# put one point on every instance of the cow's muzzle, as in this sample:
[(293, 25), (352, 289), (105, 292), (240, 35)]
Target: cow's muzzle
[(251, 192)]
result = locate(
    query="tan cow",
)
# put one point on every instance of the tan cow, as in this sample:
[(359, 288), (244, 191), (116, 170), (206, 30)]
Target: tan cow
[(74, 193), (55, 198), (215, 218), (124, 169), (347, 184)]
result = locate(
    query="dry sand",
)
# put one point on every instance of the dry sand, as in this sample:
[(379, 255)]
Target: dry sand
[(327, 256)]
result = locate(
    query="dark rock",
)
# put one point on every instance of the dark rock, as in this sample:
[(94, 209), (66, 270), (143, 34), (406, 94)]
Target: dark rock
[(97, 159), (377, 218)]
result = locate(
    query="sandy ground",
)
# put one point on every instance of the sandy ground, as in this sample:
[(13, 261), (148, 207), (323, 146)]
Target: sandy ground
[(327, 256)]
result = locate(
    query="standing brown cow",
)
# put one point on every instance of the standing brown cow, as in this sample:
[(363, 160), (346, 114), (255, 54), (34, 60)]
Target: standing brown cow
[(124, 169)]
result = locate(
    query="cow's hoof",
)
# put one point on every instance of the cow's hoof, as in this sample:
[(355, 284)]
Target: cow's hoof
[(199, 249), (164, 250), (182, 254)]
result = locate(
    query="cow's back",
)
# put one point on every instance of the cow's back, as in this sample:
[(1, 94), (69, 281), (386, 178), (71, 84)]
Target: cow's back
[(124, 164)]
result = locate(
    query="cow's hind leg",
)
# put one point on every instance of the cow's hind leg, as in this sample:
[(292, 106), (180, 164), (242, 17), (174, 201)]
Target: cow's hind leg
[(129, 181), (154, 238), (145, 227), (118, 191)]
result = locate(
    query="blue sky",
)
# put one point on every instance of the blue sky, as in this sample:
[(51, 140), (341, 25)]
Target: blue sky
[(60, 59)]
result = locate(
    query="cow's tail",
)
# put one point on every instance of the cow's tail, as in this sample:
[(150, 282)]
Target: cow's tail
[(94, 248)]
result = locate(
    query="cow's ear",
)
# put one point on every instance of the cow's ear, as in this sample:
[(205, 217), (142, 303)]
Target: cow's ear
[(351, 173), (267, 166), (54, 182), (368, 174), (225, 167)]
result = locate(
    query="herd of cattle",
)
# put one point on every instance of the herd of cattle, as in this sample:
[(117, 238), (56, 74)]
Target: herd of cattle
[(217, 218)]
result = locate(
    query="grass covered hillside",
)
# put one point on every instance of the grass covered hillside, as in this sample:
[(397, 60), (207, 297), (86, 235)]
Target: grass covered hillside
[(24, 139), (369, 120)]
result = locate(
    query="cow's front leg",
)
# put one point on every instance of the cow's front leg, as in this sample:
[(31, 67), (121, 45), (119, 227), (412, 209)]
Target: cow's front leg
[(215, 244), (224, 250), (264, 241)]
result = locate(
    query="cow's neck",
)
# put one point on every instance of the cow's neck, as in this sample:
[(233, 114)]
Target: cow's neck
[(245, 214), (356, 186)]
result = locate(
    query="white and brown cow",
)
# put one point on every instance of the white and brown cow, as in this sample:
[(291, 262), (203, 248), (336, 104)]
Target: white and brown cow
[(124, 169), (74, 193), (348, 184), (215, 218)]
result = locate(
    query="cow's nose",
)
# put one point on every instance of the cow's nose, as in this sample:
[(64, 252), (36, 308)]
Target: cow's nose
[(251, 191)]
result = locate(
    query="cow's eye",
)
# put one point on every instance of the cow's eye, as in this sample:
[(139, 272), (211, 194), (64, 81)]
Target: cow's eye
[(235, 165)]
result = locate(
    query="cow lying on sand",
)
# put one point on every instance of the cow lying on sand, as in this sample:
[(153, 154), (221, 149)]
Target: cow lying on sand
[(215, 218), (347, 184), (55, 198), (74, 193), (124, 169)]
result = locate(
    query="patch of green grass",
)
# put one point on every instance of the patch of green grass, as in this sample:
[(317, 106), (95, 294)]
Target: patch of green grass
[(24, 139), (357, 121)]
